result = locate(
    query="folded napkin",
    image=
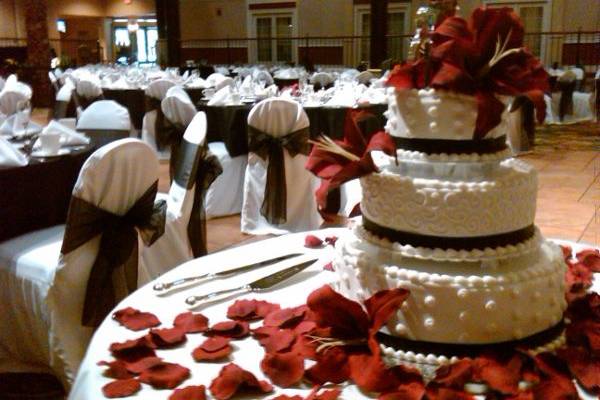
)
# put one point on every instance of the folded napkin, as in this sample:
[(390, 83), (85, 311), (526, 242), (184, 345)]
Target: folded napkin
[(342, 98), (10, 156), (220, 98), (196, 82), (19, 125), (68, 136)]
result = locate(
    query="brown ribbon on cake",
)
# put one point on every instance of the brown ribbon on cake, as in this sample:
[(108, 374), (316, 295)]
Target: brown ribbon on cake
[(565, 105), (439, 146), (445, 243), (114, 272), (270, 148), (197, 166)]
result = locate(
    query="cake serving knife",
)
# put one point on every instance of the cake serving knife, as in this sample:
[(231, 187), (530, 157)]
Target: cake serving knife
[(165, 287), (258, 285)]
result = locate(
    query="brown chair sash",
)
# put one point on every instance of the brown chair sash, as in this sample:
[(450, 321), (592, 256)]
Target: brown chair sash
[(270, 149), (84, 102), (565, 106), (114, 273), (153, 104), (60, 109), (198, 167), (170, 134)]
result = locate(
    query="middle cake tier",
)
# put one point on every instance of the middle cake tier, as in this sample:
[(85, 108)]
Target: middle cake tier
[(421, 204)]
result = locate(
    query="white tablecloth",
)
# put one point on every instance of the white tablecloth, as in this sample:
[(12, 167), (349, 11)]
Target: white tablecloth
[(247, 353)]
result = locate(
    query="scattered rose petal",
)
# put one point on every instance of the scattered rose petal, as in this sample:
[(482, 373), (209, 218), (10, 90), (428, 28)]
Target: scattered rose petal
[(584, 366), (189, 393), (578, 277), (133, 350), (284, 370), (346, 318), (590, 258), (140, 366), (331, 366), (330, 240), (567, 251), (191, 323), (248, 310), (167, 337), (500, 371), (116, 369), (312, 241), (371, 374), (135, 320), (331, 394), (232, 379), (329, 267), (165, 375), (454, 375), (441, 393), (121, 388), (286, 397), (213, 348), (273, 339), (231, 329), (555, 379), (286, 317)]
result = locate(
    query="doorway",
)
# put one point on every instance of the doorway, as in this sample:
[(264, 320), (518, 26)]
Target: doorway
[(134, 41), (273, 33)]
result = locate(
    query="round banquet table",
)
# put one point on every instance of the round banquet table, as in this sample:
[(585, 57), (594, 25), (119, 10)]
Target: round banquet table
[(134, 100), (37, 195), (247, 353), (229, 124)]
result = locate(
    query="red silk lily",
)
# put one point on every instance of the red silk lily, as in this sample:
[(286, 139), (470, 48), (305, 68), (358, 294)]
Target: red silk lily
[(483, 57), (337, 162)]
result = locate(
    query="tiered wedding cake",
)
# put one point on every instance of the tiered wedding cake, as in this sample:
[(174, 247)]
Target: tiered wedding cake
[(452, 220)]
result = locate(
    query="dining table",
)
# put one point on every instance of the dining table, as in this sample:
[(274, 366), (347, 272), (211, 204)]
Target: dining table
[(37, 195), (229, 123), (247, 352)]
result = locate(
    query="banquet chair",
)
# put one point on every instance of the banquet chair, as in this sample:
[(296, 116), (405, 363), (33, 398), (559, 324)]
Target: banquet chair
[(46, 275), (104, 121), (365, 77), (278, 190), (9, 100), (322, 80), (185, 230), (155, 93), (63, 101), (87, 92), (260, 75), (54, 81)]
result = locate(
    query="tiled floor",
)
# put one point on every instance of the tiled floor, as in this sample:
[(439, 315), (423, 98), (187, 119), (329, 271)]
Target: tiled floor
[(568, 163)]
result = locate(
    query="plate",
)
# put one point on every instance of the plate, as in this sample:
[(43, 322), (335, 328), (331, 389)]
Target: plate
[(42, 154)]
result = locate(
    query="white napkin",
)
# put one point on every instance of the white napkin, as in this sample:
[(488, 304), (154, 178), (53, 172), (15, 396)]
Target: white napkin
[(19, 124), (221, 97), (197, 82), (68, 137), (10, 156), (342, 98)]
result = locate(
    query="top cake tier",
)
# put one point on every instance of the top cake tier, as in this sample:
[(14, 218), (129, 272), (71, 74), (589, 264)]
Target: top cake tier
[(434, 122)]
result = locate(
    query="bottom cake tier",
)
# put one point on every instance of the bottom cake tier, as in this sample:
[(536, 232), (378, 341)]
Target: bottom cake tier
[(492, 300)]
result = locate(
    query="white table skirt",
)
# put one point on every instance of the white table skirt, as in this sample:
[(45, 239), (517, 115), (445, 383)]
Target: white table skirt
[(247, 353)]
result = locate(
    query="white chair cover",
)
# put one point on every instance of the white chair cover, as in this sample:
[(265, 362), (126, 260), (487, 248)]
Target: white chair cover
[(224, 196), (65, 92), (260, 75), (13, 85), (322, 78), (223, 83), (157, 90), (178, 107), (364, 77), (89, 89), (279, 117), (104, 115), (9, 100), (44, 290), (173, 248)]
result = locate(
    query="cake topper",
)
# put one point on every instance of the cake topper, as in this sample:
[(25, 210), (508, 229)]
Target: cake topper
[(427, 19)]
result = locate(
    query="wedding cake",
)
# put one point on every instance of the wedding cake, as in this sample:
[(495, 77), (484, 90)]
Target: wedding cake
[(451, 216)]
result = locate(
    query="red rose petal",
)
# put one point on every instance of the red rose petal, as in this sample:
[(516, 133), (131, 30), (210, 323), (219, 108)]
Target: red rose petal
[(283, 370), (116, 369), (135, 319), (232, 329), (233, 379), (501, 372), (454, 375), (212, 349), (329, 267), (133, 350), (556, 382), (434, 393), (189, 393), (371, 374), (121, 388), (382, 305), (140, 366), (286, 397), (304, 327), (578, 277), (567, 251), (191, 323), (585, 333), (312, 241), (584, 366), (165, 375), (331, 394), (247, 310), (286, 317), (590, 258), (274, 339), (167, 337), (408, 391), (331, 366)]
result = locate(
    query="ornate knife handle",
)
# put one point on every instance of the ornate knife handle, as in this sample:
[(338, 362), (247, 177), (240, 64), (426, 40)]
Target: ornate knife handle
[(217, 296), (163, 286)]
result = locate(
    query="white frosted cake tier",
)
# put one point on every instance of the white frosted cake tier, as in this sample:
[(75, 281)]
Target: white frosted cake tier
[(435, 114), (488, 301), (464, 201)]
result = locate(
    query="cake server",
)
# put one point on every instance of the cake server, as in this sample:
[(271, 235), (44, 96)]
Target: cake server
[(164, 287), (258, 285)]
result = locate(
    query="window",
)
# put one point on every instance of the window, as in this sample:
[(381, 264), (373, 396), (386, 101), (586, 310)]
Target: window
[(273, 33)]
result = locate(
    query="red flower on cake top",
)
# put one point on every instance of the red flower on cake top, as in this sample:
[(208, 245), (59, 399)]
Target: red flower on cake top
[(483, 57)]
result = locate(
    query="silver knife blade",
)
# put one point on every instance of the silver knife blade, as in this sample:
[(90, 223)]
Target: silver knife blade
[(258, 285), (162, 287)]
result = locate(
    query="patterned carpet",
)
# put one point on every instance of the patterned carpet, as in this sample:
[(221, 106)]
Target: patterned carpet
[(584, 136)]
